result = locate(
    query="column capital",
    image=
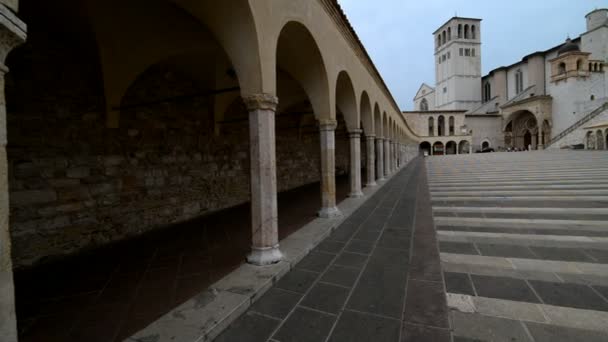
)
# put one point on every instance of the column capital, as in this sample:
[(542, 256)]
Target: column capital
[(370, 136), (12, 34), (355, 133), (261, 102), (328, 125)]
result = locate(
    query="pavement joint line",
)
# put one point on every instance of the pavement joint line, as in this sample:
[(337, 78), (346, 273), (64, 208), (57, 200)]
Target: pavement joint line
[(315, 310), (372, 314), (333, 284), (264, 315)]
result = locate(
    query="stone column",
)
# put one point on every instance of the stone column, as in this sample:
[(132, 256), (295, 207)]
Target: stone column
[(12, 33), (387, 157), (328, 170), (355, 163), (371, 156), (539, 142), (264, 217), (380, 154)]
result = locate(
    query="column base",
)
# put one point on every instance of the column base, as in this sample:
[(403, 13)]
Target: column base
[(329, 212), (264, 256), (371, 184), (356, 194), (381, 179)]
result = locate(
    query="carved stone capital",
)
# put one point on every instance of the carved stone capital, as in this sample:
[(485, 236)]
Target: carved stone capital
[(370, 136), (12, 33), (261, 102), (328, 125), (355, 133)]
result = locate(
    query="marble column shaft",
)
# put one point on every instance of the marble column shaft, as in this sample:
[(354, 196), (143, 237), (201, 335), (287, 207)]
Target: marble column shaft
[(371, 160), (380, 158), (387, 157), (355, 163), (12, 34), (328, 170), (264, 213)]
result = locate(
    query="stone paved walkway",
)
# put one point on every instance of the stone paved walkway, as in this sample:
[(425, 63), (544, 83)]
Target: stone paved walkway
[(376, 278)]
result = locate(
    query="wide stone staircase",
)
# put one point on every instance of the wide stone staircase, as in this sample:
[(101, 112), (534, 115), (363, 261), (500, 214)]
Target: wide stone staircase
[(524, 244)]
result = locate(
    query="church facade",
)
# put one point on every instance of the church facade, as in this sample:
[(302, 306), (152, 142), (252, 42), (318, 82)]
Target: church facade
[(545, 100)]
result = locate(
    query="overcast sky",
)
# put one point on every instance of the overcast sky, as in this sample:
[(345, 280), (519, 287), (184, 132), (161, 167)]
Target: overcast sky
[(398, 33)]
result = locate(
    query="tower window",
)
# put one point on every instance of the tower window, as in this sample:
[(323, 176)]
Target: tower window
[(473, 52), (472, 31), (461, 51), (519, 81), (467, 52), (449, 54)]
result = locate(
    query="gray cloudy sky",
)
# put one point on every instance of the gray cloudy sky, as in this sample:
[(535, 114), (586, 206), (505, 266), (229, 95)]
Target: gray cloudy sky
[(398, 33)]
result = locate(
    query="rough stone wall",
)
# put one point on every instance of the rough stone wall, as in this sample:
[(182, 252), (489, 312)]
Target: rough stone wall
[(75, 184)]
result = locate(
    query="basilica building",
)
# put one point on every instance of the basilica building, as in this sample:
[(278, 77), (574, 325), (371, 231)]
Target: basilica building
[(556, 98)]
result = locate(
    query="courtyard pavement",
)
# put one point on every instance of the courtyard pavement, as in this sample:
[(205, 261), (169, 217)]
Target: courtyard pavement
[(377, 277)]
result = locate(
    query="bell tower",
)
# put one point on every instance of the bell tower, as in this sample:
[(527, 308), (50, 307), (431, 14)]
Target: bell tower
[(458, 64)]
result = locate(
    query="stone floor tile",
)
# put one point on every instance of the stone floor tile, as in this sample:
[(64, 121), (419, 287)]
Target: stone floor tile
[(561, 254), (305, 325), (249, 327), (458, 283), (457, 248), (325, 297), (507, 251), (465, 339), (329, 246), (276, 303), (350, 260), (552, 333), (390, 256), (367, 235), (360, 246), (361, 327), (422, 333), (569, 295), (344, 276), (503, 288), (315, 261), (484, 328), (297, 281), (425, 304)]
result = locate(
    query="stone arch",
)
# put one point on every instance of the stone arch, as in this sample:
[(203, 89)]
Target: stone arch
[(485, 143), (438, 149), (346, 101), (451, 147), (431, 126), (451, 125), (424, 105), (298, 54), (441, 126), (466, 31), (425, 146), (463, 147), (590, 140), (367, 117), (599, 140), (378, 122)]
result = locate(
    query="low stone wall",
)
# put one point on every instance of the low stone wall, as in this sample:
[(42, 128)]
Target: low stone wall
[(578, 135)]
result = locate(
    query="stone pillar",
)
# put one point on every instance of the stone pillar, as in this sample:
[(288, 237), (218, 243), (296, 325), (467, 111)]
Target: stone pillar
[(264, 217), (328, 170), (355, 163), (380, 154), (539, 144), (371, 157), (12, 33), (387, 157)]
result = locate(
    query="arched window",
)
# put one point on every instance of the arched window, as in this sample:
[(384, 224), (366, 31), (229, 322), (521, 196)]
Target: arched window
[(438, 40), (440, 126), (590, 67), (443, 37), (431, 126), (519, 81), (487, 92), (451, 123), (449, 34), (424, 105), (561, 69), (459, 30), (466, 31), (579, 65), (472, 31)]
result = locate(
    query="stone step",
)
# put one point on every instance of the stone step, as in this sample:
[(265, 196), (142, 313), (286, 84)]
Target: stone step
[(493, 319), (520, 210), (535, 182), (521, 223), (539, 201), (520, 193), (525, 239), (503, 181), (520, 264), (520, 187)]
